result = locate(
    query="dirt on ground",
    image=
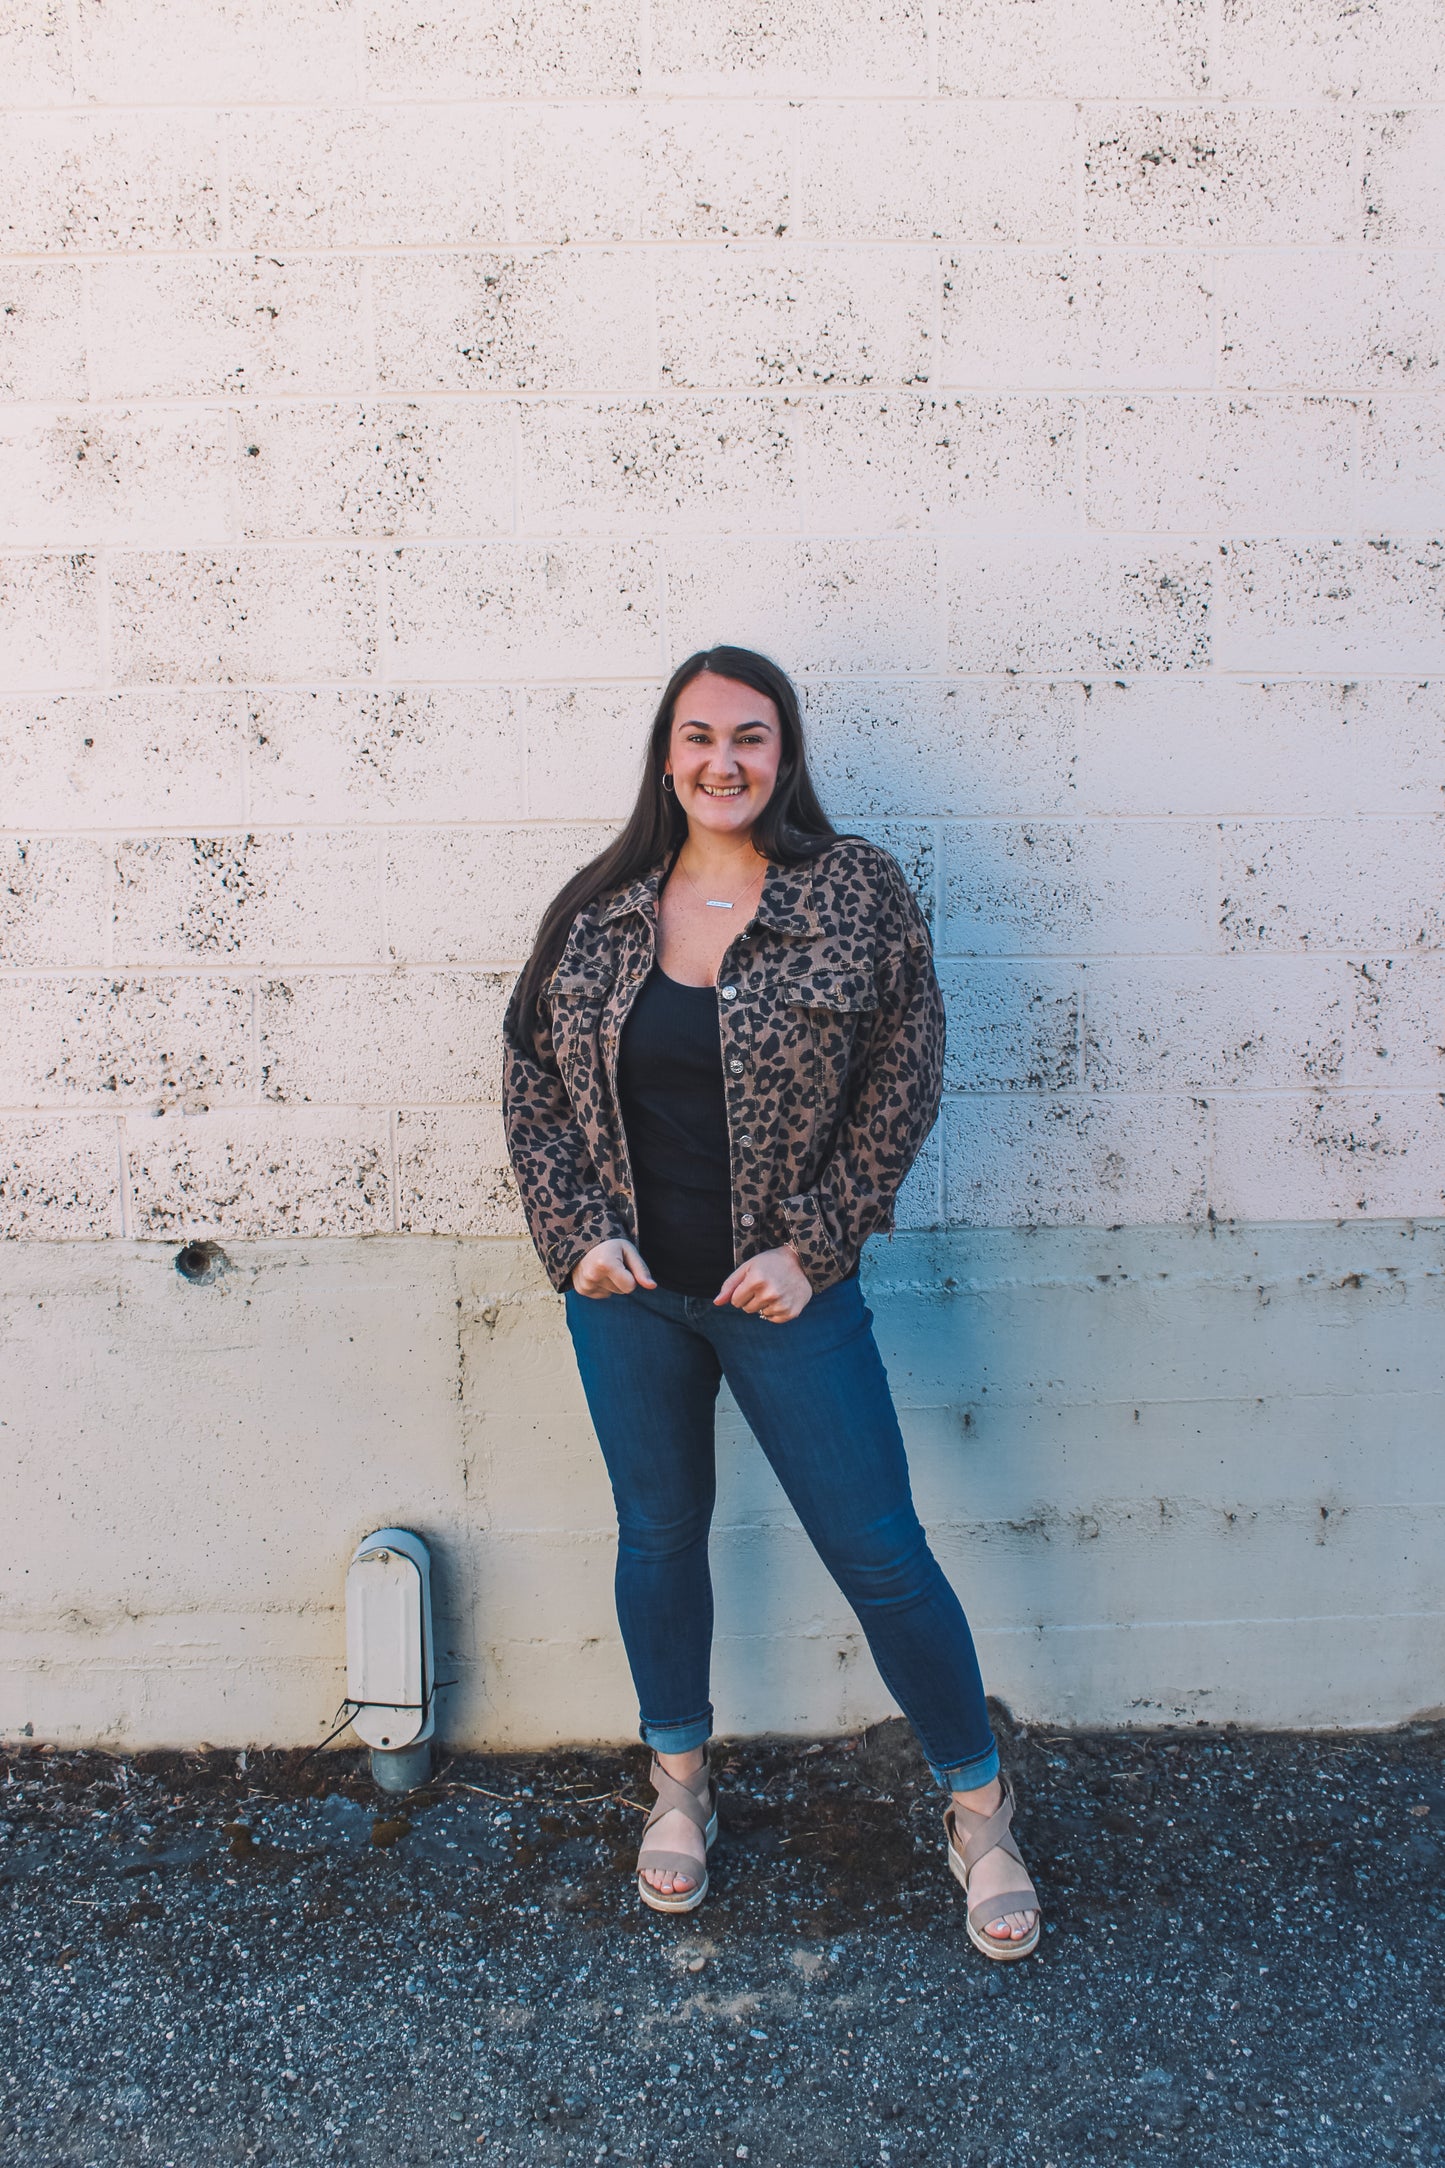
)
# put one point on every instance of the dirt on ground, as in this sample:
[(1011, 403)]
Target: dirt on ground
[(216, 1958)]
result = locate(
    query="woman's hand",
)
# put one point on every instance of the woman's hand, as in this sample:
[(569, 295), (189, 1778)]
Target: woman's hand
[(772, 1285), (611, 1268)]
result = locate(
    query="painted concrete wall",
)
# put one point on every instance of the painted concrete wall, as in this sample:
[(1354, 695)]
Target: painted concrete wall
[(387, 398), (1174, 1474)]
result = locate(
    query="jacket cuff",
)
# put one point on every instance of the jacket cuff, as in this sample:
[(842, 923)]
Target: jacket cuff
[(582, 1235), (804, 1227)]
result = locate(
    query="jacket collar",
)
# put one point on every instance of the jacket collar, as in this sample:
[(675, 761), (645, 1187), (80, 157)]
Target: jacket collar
[(779, 905), (789, 901), (639, 895)]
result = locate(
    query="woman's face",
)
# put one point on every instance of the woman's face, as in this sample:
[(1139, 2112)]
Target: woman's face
[(726, 744)]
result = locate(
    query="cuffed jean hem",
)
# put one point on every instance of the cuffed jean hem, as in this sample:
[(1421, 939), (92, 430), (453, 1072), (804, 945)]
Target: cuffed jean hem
[(680, 1738), (969, 1776)]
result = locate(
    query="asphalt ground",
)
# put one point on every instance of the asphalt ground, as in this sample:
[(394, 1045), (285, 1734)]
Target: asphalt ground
[(221, 1959)]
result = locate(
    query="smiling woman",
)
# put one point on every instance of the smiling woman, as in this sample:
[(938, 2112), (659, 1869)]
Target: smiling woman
[(722, 1059)]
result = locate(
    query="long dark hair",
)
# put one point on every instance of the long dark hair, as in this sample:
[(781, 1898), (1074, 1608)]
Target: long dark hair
[(791, 827)]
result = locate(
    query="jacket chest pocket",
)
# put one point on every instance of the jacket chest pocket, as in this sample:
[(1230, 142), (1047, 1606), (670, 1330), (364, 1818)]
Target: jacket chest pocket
[(830, 1012), (577, 1003)]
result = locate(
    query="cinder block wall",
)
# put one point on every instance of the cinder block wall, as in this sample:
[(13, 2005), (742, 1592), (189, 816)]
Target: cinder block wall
[(390, 397)]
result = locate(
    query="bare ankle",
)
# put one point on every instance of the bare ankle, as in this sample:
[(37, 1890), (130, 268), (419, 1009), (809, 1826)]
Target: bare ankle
[(685, 1765), (984, 1798)]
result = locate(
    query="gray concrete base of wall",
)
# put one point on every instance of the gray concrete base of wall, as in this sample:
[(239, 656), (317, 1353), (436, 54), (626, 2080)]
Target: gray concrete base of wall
[(1175, 1474)]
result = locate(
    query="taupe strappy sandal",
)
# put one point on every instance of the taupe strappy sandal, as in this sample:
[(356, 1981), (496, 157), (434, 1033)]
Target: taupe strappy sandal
[(991, 1833), (674, 1795)]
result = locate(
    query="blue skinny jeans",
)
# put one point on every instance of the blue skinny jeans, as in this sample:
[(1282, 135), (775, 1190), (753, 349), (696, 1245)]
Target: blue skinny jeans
[(815, 1395)]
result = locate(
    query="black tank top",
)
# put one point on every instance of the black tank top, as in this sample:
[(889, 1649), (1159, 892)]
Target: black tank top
[(674, 1112)]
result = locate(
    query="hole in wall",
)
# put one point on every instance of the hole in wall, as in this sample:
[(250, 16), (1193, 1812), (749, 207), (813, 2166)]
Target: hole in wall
[(201, 1261)]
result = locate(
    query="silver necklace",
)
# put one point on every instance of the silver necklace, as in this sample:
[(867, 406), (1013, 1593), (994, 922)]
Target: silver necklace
[(718, 903)]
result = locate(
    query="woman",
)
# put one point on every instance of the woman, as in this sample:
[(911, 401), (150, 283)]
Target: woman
[(721, 1061)]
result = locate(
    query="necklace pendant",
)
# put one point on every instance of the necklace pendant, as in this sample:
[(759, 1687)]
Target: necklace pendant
[(715, 903)]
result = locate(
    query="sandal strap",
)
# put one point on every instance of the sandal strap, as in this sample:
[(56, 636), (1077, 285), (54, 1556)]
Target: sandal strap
[(676, 1797), (994, 1908), (973, 1848), (991, 1833), (652, 1859)]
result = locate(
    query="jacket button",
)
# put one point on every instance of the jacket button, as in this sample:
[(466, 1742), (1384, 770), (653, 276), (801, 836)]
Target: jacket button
[(747, 1219), (745, 1138), (730, 993), (736, 1067)]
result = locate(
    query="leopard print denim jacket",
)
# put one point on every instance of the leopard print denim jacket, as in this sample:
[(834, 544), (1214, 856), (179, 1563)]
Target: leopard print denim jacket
[(832, 1038)]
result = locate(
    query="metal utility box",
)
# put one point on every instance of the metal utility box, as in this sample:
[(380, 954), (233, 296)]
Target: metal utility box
[(390, 1674)]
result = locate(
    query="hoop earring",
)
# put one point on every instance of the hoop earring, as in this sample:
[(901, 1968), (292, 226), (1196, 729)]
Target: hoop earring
[(668, 784)]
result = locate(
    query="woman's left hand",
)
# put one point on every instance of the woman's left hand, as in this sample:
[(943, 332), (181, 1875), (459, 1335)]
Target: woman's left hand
[(772, 1285)]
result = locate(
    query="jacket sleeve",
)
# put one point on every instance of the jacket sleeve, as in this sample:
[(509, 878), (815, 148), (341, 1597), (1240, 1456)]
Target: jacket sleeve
[(893, 1107), (568, 1210)]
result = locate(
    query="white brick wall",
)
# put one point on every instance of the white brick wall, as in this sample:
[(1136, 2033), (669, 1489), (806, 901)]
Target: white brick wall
[(389, 397)]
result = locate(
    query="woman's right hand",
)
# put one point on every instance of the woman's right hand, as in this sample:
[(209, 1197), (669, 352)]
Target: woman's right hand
[(612, 1268)]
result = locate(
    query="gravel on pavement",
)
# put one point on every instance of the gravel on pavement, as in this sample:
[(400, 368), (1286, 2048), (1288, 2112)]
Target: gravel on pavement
[(222, 1958)]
